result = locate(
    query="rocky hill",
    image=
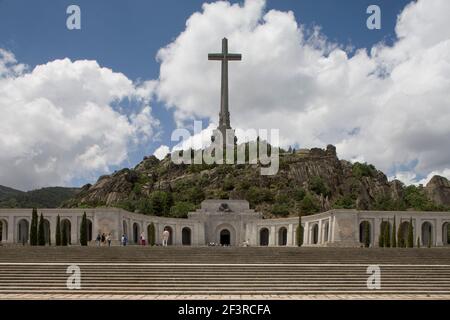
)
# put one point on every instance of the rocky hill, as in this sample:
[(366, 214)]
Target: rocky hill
[(308, 181)]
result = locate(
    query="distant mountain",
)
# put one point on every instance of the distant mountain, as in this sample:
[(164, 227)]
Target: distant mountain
[(51, 197)]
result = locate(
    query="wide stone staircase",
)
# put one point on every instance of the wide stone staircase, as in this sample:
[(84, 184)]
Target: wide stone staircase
[(223, 270)]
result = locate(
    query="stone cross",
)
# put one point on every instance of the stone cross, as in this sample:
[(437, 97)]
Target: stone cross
[(224, 56)]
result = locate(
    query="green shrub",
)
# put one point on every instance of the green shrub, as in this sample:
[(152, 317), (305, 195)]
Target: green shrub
[(34, 228), (363, 170), (319, 187), (58, 231), (41, 234), (299, 233), (410, 242), (151, 234), (309, 205), (181, 209), (281, 210), (83, 230)]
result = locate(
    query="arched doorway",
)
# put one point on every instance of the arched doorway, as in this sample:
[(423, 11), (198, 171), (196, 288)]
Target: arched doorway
[(89, 230), (402, 235), (282, 236), (315, 234), (186, 236), (446, 233), (23, 233), (135, 232), (264, 237), (3, 231), (225, 237), (427, 234), (365, 233), (66, 227), (47, 231), (170, 240)]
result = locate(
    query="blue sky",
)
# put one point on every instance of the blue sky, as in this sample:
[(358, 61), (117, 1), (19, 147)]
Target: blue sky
[(125, 36)]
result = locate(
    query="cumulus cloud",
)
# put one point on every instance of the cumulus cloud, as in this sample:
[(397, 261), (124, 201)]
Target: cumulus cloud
[(388, 105), (65, 120), (161, 152)]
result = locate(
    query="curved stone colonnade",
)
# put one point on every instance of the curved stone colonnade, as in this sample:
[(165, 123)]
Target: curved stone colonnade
[(232, 222)]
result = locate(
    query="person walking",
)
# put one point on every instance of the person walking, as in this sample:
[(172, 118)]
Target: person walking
[(103, 238), (97, 240), (108, 239), (122, 240), (165, 236), (143, 238)]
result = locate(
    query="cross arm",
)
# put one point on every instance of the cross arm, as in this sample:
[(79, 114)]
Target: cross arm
[(215, 56), (234, 56)]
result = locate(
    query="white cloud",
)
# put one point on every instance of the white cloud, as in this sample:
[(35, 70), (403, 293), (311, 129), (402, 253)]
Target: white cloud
[(387, 105), (161, 152), (64, 120)]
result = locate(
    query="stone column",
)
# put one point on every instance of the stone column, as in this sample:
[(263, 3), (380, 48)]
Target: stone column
[(176, 237), (319, 236), (74, 230), (306, 233), (438, 232), (272, 236), (376, 231), (290, 241), (52, 221)]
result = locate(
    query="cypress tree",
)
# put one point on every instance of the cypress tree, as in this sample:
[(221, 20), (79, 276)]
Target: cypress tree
[(299, 232), (381, 236), (83, 230), (366, 234), (394, 235), (41, 234), (58, 231), (410, 243), (34, 228), (151, 234), (418, 242), (64, 235), (387, 235)]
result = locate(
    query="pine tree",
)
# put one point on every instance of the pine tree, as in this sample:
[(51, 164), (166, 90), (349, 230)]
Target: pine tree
[(394, 235), (151, 234), (381, 236), (58, 231), (367, 234), (64, 235), (387, 235), (299, 232), (410, 243), (41, 232), (83, 230), (34, 228)]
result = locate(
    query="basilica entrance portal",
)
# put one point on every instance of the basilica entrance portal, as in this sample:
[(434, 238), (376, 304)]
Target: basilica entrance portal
[(225, 237)]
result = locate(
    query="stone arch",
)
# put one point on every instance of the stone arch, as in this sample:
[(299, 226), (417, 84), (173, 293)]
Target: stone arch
[(170, 240), (89, 229), (427, 234), (363, 237), (186, 236), (315, 234), (23, 231), (136, 232), (446, 233), (282, 236), (402, 235), (67, 225), (3, 230), (47, 236), (264, 236), (221, 235)]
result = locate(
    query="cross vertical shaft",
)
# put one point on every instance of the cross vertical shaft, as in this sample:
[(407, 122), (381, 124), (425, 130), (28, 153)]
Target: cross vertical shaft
[(224, 57)]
